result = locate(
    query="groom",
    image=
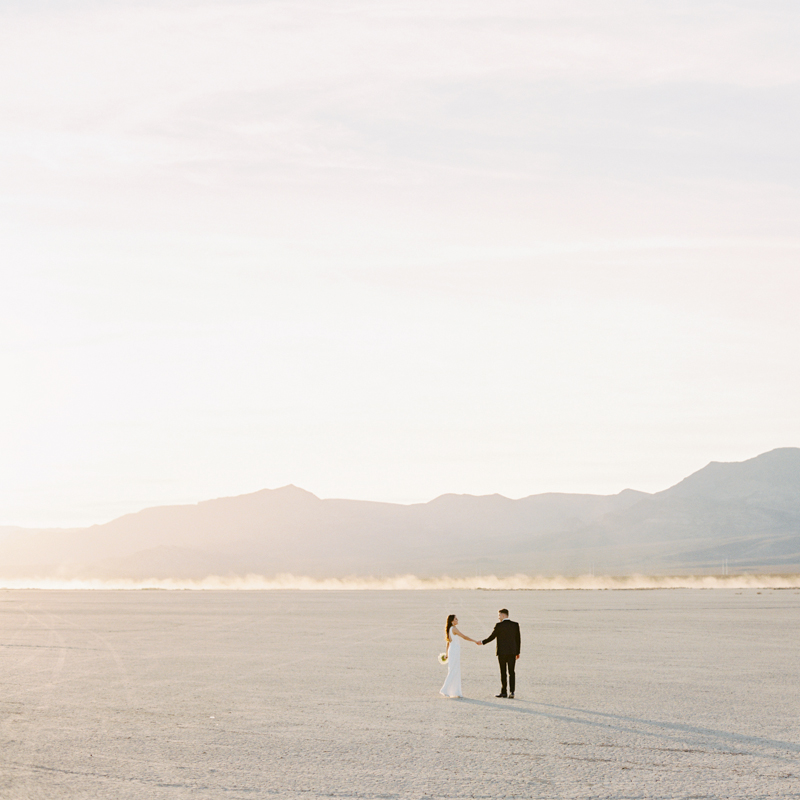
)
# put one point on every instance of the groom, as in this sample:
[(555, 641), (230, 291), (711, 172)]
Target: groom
[(507, 634)]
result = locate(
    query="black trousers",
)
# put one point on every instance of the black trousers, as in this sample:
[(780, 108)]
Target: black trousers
[(507, 663)]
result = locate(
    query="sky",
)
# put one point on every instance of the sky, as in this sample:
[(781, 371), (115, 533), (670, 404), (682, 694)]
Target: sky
[(388, 250)]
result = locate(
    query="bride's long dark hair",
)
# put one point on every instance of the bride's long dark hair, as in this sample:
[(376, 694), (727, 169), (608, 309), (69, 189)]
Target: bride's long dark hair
[(450, 618)]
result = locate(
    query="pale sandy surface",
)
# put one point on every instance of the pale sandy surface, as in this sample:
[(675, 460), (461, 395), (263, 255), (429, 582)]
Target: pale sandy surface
[(645, 694)]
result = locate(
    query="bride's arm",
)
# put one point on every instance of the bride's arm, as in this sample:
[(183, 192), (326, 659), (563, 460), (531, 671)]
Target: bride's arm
[(458, 633)]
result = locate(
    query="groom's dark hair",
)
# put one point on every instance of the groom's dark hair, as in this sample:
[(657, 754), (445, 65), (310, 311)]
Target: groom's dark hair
[(503, 611)]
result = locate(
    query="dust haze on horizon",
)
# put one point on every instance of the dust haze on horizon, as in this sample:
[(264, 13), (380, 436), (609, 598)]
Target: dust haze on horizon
[(391, 251), (514, 583)]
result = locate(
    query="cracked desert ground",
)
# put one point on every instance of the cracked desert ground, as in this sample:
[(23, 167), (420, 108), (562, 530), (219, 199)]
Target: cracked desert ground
[(203, 694)]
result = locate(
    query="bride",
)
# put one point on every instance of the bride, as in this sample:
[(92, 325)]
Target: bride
[(452, 684)]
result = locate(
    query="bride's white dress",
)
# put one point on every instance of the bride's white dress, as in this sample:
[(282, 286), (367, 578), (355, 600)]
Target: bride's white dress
[(452, 683)]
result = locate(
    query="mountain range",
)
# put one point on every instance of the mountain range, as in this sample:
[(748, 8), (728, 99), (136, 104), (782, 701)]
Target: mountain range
[(743, 516)]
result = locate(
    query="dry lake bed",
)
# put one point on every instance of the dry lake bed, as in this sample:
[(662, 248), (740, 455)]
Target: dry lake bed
[(621, 694)]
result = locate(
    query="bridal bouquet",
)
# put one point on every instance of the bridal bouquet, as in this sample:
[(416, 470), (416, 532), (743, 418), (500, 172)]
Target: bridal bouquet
[(442, 658)]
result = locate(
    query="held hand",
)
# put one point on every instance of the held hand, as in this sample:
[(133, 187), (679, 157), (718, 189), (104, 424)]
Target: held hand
[(517, 655)]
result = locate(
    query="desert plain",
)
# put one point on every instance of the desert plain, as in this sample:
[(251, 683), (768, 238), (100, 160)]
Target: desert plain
[(682, 693)]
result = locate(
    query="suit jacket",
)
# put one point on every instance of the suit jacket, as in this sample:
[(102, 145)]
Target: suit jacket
[(507, 635)]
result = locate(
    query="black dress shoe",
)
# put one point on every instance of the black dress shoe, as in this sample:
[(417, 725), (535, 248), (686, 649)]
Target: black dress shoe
[(501, 695)]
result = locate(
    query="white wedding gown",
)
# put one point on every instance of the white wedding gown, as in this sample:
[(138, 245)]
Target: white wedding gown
[(452, 683)]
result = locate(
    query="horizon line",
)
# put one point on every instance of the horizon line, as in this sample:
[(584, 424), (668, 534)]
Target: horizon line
[(519, 582)]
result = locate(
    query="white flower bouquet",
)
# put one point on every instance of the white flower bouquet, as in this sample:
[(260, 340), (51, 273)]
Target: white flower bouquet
[(442, 658)]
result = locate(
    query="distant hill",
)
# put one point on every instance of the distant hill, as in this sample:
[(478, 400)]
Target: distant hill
[(747, 513)]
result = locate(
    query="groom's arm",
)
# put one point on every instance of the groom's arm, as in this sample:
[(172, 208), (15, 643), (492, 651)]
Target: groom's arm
[(516, 633), (494, 634)]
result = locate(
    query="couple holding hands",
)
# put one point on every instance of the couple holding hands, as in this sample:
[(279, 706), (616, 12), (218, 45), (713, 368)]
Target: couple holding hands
[(507, 634)]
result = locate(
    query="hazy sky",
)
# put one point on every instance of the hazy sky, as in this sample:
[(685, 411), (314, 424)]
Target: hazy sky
[(386, 250)]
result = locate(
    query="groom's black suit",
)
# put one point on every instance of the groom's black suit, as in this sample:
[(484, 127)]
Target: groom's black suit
[(507, 635)]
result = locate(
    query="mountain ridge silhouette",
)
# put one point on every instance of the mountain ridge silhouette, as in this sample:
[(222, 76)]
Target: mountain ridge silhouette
[(747, 513)]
